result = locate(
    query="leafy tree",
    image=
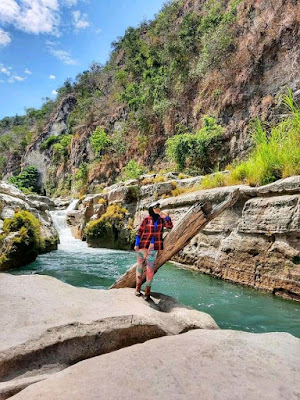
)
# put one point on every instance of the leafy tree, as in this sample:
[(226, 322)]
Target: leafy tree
[(99, 140), (133, 170), (27, 179)]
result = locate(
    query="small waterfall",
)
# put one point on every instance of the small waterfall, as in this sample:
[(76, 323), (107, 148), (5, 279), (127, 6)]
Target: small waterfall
[(67, 241), (73, 205)]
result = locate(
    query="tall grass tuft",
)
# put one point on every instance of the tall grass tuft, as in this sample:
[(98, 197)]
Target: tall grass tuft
[(276, 154)]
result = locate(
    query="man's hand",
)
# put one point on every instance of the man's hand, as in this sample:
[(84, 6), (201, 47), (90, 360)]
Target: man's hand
[(164, 215), (136, 248)]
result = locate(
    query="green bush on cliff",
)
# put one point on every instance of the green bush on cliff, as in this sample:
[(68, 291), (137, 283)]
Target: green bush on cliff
[(276, 153), (61, 149), (194, 150), (81, 179), (132, 170), (27, 180), (99, 141), (47, 143)]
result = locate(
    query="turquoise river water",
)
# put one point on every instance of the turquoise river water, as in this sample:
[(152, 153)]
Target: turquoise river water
[(232, 306)]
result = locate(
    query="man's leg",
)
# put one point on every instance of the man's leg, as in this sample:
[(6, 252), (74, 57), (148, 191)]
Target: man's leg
[(141, 256), (150, 272)]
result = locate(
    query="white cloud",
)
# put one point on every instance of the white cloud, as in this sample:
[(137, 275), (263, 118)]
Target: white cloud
[(32, 16), (54, 92), (52, 77), (80, 21), (4, 70), (63, 56), (70, 3), (16, 78), (50, 43), (4, 38), (9, 10), (27, 71)]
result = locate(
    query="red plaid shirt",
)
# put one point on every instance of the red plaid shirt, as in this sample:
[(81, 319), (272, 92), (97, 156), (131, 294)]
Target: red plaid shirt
[(147, 230)]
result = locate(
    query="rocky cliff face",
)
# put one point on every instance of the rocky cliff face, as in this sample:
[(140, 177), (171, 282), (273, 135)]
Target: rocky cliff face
[(255, 243), (236, 59)]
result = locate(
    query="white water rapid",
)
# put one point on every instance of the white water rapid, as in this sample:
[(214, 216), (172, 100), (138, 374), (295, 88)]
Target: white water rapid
[(67, 241)]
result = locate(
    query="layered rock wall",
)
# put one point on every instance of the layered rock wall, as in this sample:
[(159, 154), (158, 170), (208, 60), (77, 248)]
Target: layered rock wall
[(255, 243)]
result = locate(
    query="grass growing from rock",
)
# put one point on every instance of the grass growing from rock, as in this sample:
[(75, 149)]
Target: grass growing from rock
[(276, 153)]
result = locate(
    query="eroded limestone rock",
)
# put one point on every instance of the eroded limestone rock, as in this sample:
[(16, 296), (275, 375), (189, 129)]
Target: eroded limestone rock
[(202, 364), (53, 325)]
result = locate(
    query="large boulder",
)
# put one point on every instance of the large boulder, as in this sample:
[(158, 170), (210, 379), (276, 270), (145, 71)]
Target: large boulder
[(202, 364), (17, 247), (47, 325)]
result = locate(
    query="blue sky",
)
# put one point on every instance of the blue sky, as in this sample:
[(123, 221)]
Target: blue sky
[(43, 42)]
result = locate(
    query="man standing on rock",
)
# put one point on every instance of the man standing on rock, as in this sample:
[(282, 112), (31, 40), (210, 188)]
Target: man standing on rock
[(149, 241)]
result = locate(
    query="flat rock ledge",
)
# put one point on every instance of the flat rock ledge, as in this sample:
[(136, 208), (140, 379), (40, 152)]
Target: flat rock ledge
[(47, 325), (201, 364)]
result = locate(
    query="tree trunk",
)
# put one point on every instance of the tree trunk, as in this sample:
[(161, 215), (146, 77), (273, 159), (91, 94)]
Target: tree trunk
[(196, 218)]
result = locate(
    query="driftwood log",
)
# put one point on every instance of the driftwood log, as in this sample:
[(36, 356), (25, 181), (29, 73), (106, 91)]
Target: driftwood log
[(191, 223)]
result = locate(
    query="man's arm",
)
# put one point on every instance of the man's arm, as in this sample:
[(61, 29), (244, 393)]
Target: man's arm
[(167, 220), (139, 233)]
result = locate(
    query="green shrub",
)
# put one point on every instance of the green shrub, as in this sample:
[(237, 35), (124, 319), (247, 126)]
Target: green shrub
[(193, 150), (118, 143), (113, 229), (47, 143), (81, 178), (132, 170), (99, 140), (27, 179), (28, 227), (132, 194), (114, 216), (61, 149)]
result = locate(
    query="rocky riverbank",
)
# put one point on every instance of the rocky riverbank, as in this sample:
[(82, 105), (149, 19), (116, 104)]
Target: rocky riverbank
[(26, 227), (124, 347), (255, 243), (47, 325)]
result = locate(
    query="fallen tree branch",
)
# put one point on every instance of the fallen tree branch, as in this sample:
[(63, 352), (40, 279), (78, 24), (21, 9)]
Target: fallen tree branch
[(196, 218)]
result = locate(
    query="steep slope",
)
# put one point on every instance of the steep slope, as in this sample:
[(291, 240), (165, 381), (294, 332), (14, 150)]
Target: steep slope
[(231, 59)]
